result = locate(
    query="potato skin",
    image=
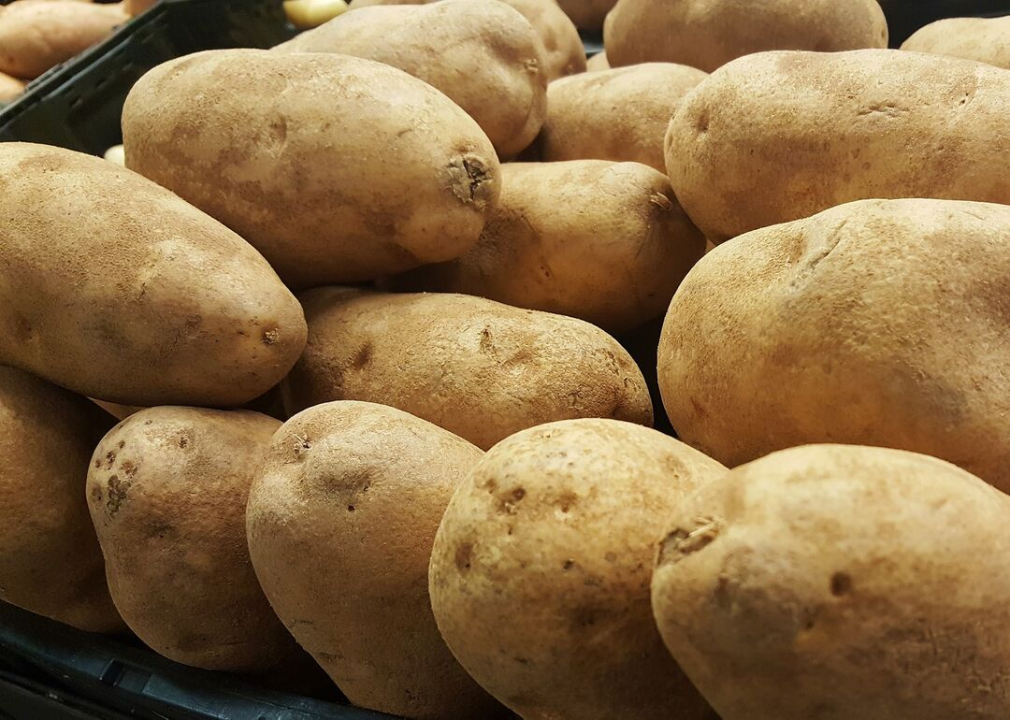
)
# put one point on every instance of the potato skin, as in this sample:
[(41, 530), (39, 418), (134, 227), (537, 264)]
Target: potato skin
[(598, 62), (276, 138), (10, 87), (707, 34), (50, 562), (620, 114), (614, 257), (35, 37), (880, 322), (540, 572), (167, 492), (341, 520), (982, 39), (587, 14), (840, 582), (115, 288), (484, 55), (862, 124), (477, 368)]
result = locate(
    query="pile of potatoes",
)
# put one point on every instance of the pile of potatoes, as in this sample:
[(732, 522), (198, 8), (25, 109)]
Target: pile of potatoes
[(496, 386)]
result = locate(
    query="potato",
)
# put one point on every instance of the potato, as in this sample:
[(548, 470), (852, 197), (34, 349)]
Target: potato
[(117, 289), (587, 14), (863, 124), (619, 114), (482, 54), (707, 34), (597, 62), (540, 572), (613, 255), (341, 520), (983, 39), (283, 141), (35, 37), (838, 582), (10, 87), (50, 562), (477, 368), (304, 14), (136, 7), (116, 155), (879, 323), (167, 491), (565, 53)]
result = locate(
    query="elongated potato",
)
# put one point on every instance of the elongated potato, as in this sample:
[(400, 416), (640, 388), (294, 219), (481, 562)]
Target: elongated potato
[(619, 114), (167, 491), (485, 56), (337, 169), (707, 34), (35, 37), (983, 39), (613, 257), (477, 368), (50, 562), (117, 289), (862, 124), (880, 322), (839, 582), (10, 87), (540, 571), (341, 521), (587, 14)]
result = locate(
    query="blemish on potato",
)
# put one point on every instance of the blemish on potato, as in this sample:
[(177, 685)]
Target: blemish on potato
[(464, 557), (841, 584)]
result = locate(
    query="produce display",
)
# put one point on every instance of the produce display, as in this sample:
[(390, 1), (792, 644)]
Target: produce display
[(423, 358)]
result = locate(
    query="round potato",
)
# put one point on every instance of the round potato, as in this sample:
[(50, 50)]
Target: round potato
[(619, 114), (983, 39), (50, 562), (838, 582), (862, 124), (880, 322), (167, 491), (587, 14), (601, 241), (341, 520), (10, 87), (598, 62), (117, 289), (540, 572), (477, 368), (37, 36), (485, 56), (707, 34), (337, 169)]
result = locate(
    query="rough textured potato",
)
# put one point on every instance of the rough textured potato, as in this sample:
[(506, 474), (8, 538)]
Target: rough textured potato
[(587, 14), (337, 169), (707, 34), (540, 572), (477, 368), (35, 37), (863, 124), (115, 288), (167, 491), (875, 323), (983, 39), (10, 87), (619, 114), (598, 62), (482, 54), (613, 257), (838, 582), (50, 562), (341, 521)]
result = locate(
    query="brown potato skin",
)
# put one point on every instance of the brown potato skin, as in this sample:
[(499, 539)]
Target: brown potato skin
[(863, 124), (587, 14), (167, 492), (484, 55), (840, 582), (879, 323), (50, 562), (341, 520), (480, 369), (614, 257), (982, 39), (116, 289), (36, 36), (598, 62), (276, 137), (540, 573), (620, 114), (707, 34), (10, 87)]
